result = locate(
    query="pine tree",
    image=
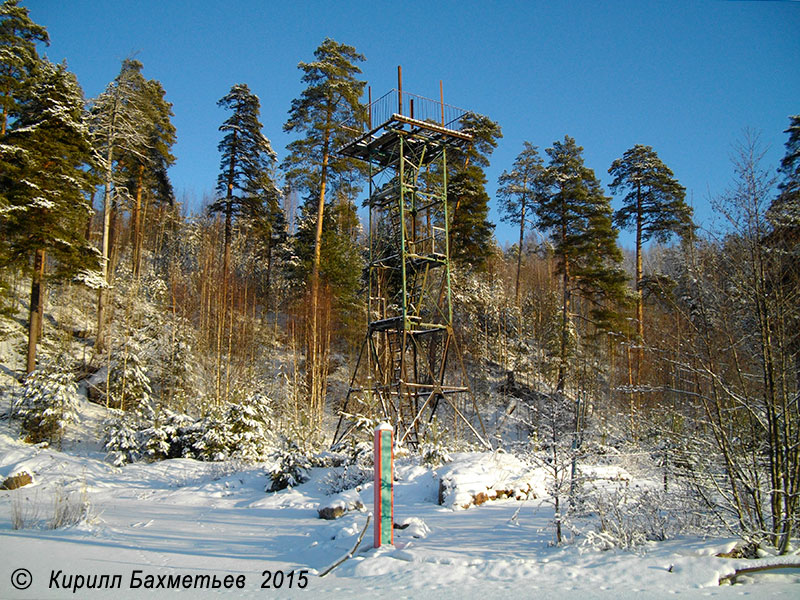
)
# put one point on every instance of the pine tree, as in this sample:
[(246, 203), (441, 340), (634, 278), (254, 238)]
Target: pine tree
[(784, 239), (519, 191), (18, 57), (269, 228), (143, 171), (119, 125), (45, 156), (785, 210), (577, 216), (245, 164), (468, 202), (331, 97), (653, 206)]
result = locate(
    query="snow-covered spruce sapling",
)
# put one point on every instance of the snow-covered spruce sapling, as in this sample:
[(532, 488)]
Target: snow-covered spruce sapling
[(248, 428), (289, 467), (47, 402), (122, 439), (211, 438), (128, 382)]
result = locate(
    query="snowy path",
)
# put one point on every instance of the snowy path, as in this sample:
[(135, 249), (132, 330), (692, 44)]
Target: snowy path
[(181, 517)]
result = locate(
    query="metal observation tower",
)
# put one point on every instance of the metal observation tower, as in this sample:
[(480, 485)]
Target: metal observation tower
[(409, 366)]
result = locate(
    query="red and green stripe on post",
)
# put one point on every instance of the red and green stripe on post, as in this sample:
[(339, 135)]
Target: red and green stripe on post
[(383, 486)]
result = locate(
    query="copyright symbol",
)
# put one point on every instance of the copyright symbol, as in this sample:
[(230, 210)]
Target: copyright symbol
[(21, 579)]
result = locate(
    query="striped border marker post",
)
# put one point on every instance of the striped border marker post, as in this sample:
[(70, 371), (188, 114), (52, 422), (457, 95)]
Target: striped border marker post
[(383, 486)]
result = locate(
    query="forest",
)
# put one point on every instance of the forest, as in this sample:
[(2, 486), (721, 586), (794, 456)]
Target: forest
[(232, 329)]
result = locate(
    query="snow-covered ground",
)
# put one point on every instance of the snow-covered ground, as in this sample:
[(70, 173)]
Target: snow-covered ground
[(183, 518)]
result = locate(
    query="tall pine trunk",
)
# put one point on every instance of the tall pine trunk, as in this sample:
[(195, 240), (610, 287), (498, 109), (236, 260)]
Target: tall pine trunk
[(137, 222), (314, 348), (104, 258), (519, 250), (36, 310), (639, 294)]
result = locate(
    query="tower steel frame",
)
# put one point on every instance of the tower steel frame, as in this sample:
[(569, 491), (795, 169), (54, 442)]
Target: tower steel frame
[(405, 369)]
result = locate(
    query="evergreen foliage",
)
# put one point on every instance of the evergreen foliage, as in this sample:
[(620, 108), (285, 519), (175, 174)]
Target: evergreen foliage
[(653, 206), (654, 202), (129, 386), (785, 210), (471, 231), (518, 192), (578, 219), (47, 402), (44, 160), (341, 263), (18, 57), (289, 467), (121, 129), (241, 431), (468, 202), (44, 156), (246, 159), (143, 171), (332, 96), (270, 234)]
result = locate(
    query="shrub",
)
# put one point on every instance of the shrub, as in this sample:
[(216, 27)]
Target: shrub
[(47, 402), (289, 467)]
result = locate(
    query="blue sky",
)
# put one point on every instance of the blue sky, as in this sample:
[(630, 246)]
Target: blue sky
[(686, 77)]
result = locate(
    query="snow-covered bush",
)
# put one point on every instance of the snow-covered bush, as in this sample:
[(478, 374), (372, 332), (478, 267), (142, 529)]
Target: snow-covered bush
[(122, 439), (242, 431), (433, 450), (210, 438), (128, 383), (47, 402), (289, 467), (249, 438), (629, 516), (356, 468), (166, 438)]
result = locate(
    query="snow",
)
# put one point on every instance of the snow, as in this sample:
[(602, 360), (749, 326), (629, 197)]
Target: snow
[(185, 517)]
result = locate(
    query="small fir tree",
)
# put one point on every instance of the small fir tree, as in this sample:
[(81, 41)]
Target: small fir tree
[(129, 386), (47, 402)]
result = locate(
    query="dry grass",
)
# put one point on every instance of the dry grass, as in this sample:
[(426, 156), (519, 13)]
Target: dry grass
[(68, 509)]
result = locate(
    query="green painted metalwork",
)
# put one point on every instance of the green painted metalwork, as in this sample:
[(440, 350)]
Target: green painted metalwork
[(410, 307)]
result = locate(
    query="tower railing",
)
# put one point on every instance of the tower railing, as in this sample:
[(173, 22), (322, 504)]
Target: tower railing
[(410, 105)]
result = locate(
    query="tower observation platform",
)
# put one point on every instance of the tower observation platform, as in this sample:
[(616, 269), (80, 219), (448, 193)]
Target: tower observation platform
[(410, 366)]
